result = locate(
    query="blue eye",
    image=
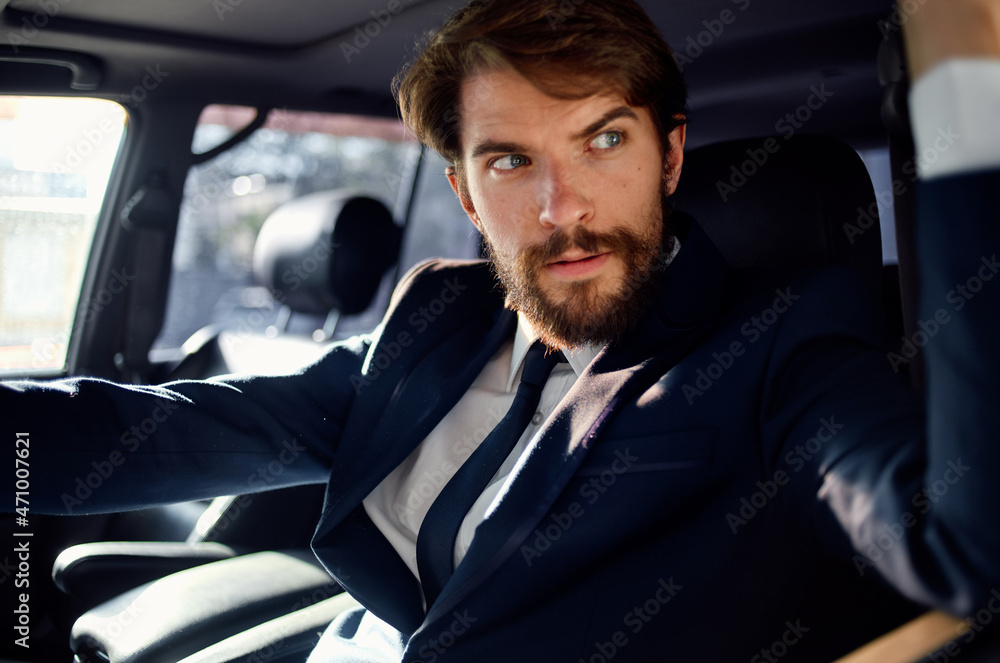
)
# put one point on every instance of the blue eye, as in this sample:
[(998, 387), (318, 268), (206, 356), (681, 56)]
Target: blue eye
[(510, 162), (608, 140)]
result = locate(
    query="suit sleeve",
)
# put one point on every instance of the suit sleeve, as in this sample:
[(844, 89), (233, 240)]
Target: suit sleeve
[(96, 447), (902, 487)]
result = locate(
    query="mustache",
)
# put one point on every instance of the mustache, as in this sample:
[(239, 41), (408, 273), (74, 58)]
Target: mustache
[(618, 240)]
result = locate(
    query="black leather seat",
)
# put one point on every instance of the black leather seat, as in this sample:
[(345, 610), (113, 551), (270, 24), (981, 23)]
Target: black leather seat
[(772, 201), (784, 202)]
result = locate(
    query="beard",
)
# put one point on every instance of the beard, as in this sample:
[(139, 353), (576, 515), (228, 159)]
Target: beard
[(592, 311)]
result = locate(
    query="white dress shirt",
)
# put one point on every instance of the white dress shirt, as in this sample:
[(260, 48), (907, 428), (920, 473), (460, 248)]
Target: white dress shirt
[(955, 110), (398, 505)]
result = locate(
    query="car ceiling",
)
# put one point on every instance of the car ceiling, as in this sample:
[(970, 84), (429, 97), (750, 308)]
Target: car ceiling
[(767, 59)]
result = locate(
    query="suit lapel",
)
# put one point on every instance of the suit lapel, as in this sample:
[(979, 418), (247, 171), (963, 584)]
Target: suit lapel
[(419, 402), (403, 405), (412, 395)]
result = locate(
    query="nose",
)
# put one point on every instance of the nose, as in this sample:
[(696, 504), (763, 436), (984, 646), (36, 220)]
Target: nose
[(563, 200)]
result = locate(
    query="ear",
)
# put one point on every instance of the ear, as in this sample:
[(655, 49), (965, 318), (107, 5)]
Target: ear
[(458, 186), (675, 158)]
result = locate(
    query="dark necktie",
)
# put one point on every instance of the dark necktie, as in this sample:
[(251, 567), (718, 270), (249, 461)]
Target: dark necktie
[(436, 538)]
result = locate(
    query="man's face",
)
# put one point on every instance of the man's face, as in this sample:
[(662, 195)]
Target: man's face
[(568, 195)]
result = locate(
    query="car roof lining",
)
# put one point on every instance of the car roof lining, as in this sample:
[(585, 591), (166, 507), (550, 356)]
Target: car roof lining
[(304, 53), (290, 24)]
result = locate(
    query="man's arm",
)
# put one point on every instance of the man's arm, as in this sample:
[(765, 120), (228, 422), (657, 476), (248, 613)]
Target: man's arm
[(953, 49), (916, 502), (94, 446)]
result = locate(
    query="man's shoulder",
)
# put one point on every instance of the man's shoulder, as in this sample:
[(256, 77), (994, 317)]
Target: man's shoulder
[(440, 284), (434, 272)]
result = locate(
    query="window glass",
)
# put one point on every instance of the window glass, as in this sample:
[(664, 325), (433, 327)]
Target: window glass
[(227, 199), (56, 156), (877, 162), (439, 226)]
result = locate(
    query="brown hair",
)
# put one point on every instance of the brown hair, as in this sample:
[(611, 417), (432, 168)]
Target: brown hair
[(569, 49)]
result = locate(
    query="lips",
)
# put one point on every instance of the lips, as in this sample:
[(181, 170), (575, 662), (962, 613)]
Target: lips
[(577, 266)]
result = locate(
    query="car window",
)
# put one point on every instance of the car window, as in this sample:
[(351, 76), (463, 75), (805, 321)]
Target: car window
[(56, 159), (438, 225), (877, 162), (227, 199)]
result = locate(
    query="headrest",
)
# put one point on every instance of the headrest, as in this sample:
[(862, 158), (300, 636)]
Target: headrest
[(326, 251), (798, 201)]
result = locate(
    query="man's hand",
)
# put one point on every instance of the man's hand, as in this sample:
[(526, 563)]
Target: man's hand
[(942, 29)]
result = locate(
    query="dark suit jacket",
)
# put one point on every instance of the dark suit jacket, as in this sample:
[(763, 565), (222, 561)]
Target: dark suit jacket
[(736, 478)]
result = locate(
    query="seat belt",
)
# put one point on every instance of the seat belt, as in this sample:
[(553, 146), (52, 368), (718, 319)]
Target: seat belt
[(148, 214)]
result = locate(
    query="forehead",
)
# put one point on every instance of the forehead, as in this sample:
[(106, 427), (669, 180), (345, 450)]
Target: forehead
[(503, 105)]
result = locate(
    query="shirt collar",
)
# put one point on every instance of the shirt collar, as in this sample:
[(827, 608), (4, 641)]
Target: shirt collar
[(578, 358), (525, 335)]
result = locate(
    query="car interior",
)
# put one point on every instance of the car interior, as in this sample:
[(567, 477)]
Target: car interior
[(193, 188)]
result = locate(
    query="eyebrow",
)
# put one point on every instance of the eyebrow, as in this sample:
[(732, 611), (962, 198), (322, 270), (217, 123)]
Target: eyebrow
[(607, 118), (497, 147)]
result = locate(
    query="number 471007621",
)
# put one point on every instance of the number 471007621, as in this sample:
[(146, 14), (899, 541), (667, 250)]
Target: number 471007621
[(22, 473)]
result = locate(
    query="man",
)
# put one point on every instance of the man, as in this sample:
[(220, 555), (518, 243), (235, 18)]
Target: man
[(604, 534)]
